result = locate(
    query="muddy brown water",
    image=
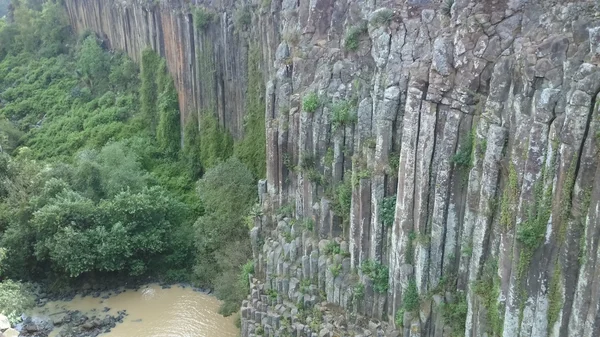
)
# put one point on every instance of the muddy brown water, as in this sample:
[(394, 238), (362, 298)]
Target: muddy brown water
[(154, 312)]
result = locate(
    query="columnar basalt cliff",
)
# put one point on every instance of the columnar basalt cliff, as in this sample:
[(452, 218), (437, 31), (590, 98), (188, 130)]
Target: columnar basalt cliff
[(432, 167)]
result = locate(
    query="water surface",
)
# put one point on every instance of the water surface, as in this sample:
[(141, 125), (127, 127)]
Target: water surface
[(154, 312)]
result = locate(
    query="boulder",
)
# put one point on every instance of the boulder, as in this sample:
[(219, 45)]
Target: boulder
[(4, 323), (11, 333)]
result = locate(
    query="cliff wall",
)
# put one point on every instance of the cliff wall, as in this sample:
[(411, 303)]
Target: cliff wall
[(432, 167)]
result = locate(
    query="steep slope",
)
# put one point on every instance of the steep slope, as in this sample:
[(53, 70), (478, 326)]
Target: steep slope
[(480, 117)]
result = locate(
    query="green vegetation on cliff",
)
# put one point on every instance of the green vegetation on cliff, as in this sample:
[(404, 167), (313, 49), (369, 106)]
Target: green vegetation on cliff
[(94, 182)]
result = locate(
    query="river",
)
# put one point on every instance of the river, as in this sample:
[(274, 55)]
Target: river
[(153, 312)]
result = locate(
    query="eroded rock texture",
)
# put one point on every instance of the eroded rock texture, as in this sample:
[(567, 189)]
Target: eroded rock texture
[(480, 117)]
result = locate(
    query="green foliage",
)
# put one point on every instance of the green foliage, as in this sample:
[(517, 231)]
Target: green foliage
[(566, 200), (358, 292), (88, 191), (463, 158), (530, 233), (251, 149), (412, 236), (228, 193), (202, 17), (308, 224), (311, 103), (399, 319), (216, 142), (10, 136), (410, 298), (118, 235), (242, 17), (555, 297), (335, 269), (388, 210), (509, 199), (333, 248), (352, 39), (488, 289), (359, 175), (93, 63), (382, 17), (227, 188), (272, 294), (342, 198), (343, 114), (15, 298), (455, 313), (446, 7), (43, 30), (123, 75), (328, 160), (286, 210), (149, 88), (191, 151), (168, 133), (394, 164), (371, 142), (378, 273), (233, 268)]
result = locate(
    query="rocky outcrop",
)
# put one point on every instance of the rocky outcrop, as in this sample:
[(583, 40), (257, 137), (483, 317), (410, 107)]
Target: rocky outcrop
[(452, 144), (4, 323)]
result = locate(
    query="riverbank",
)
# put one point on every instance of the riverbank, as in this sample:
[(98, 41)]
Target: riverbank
[(149, 310)]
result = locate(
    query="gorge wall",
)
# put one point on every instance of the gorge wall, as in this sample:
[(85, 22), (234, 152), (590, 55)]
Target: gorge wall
[(432, 167)]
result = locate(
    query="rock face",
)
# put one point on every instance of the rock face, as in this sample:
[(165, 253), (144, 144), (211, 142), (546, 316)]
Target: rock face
[(452, 144)]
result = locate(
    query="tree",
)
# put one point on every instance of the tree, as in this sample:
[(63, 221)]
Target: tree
[(168, 132), (123, 74), (53, 29), (15, 298), (93, 64), (217, 143), (191, 146), (227, 192), (149, 89), (120, 169), (252, 149)]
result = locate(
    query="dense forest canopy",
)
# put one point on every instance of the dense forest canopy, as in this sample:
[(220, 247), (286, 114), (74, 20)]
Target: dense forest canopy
[(94, 183)]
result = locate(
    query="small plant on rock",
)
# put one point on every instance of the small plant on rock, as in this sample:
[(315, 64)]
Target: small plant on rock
[(399, 318), (410, 300), (311, 102), (202, 17), (342, 113), (455, 313), (308, 224), (335, 269), (388, 210), (378, 273), (359, 292), (447, 7), (272, 293), (243, 17), (286, 210), (333, 248), (352, 40), (382, 17)]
